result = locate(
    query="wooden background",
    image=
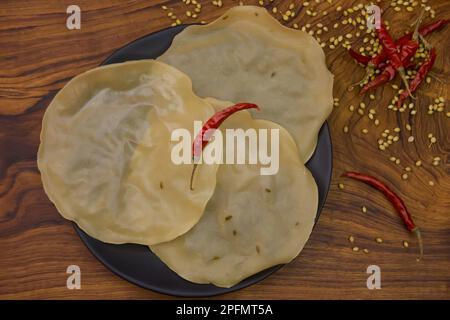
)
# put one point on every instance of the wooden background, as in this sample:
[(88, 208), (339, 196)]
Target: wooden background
[(38, 55)]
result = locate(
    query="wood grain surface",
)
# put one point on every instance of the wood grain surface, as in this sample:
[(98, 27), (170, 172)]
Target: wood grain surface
[(38, 55)]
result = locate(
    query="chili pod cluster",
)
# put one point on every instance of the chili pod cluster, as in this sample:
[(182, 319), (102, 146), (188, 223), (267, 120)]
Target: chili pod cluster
[(396, 56)]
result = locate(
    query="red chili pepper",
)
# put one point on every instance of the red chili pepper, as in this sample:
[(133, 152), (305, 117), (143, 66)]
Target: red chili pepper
[(213, 123), (396, 201), (359, 57), (433, 26), (392, 53), (387, 74), (407, 52), (376, 60), (419, 77)]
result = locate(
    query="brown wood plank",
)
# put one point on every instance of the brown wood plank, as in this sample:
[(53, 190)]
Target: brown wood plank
[(38, 55)]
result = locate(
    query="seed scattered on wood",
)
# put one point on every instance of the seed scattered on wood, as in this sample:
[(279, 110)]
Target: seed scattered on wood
[(405, 176), (411, 139), (366, 250), (345, 129), (378, 240), (364, 209), (341, 186), (351, 239), (355, 249), (405, 244), (432, 139), (431, 183)]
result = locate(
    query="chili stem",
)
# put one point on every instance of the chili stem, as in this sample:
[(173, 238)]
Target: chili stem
[(191, 184), (369, 72)]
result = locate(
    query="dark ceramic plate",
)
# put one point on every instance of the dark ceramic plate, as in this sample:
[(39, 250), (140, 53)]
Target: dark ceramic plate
[(136, 263)]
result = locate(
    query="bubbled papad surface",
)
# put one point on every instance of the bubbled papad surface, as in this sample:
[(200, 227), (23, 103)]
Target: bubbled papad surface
[(105, 153), (246, 55), (252, 222)]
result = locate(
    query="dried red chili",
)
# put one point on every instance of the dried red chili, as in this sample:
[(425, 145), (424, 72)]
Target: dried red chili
[(396, 201), (433, 26), (392, 53), (376, 60), (213, 123), (388, 73), (419, 77), (359, 57)]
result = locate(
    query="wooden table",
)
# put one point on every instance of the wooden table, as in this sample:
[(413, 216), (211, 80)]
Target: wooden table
[(38, 55)]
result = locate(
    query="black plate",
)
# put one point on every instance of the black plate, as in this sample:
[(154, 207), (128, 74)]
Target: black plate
[(136, 263)]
